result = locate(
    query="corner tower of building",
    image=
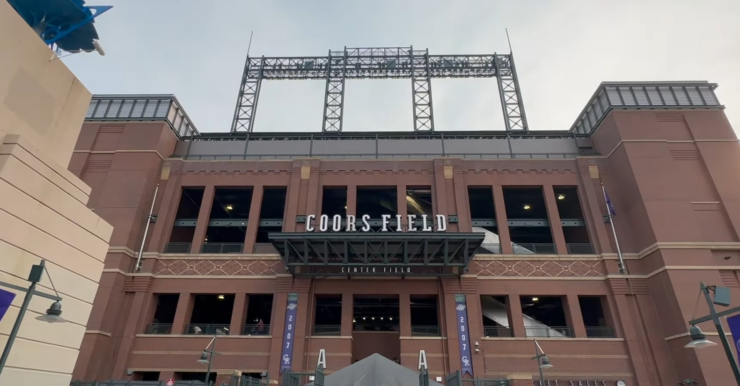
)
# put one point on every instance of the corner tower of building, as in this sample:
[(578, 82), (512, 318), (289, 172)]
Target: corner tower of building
[(43, 213)]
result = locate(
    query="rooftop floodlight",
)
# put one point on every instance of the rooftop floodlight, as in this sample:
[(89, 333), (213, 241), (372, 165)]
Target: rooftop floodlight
[(698, 339), (53, 314)]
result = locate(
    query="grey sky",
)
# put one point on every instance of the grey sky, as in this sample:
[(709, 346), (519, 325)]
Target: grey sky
[(563, 50)]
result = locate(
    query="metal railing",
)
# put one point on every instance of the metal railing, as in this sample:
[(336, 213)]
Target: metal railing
[(177, 248), (549, 332), (327, 330), (496, 332), (580, 249), (534, 248), (135, 383), (489, 248), (219, 248), (424, 330), (206, 329), (159, 328), (491, 156), (256, 329), (600, 332)]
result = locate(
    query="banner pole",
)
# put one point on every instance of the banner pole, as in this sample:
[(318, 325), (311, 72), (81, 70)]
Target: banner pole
[(622, 266)]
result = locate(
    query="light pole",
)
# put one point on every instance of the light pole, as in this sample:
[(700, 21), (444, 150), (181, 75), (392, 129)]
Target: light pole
[(542, 361), (53, 314), (207, 355), (699, 340)]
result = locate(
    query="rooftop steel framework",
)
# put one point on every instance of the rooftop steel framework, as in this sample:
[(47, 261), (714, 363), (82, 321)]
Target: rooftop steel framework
[(380, 63)]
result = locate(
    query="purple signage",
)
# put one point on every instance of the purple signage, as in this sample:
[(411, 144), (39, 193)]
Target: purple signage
[(466, 360), (734, 322), (6, 298), (289, 333)]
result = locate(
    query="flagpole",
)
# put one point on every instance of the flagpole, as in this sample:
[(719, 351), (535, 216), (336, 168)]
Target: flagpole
[(622, 266)]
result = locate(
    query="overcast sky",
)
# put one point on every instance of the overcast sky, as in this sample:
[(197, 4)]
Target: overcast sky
[(563, 50)]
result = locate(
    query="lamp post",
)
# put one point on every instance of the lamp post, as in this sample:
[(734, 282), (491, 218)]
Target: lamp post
[(53, 314), (207, 355), (542, 361), (699, 340)]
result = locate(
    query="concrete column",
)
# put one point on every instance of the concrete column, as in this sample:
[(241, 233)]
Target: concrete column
[(574, 316), (347, 314), (204, 215), (402, 207), (254, 219), (238, 314), (502, 221), (183, 313), (556, 226), (516, 317), (404, 311), (352, 200)]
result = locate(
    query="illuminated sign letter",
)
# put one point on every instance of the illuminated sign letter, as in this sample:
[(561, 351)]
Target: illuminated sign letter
[(365, 223), (351, 223), (386, 220), (336, 223), (324, 223), (441, 223), (309, 222)]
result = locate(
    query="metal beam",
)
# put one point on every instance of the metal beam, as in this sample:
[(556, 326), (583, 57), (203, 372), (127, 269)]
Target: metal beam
[(380, 63)]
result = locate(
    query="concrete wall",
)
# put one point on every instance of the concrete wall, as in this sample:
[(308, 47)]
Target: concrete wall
[(43, 213)]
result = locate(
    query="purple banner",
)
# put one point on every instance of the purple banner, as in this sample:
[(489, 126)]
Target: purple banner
[(289, 333), (6, 298), (466, 360), (734, 322)]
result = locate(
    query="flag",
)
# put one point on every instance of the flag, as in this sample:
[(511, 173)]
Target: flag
[(609, 204), (734, 323), (6, 298)]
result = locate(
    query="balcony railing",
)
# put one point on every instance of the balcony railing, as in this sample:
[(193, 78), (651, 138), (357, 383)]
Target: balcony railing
[(256, 329), (549, 332), (534, 248), (159, 328), (327, 330), (496, 332), (177, 248), (206, 329), (424, 330), (600, 332), (489, 248), (580, 249), (218, 248)]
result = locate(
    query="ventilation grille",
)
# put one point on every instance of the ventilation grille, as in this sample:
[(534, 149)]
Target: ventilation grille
[(111, 129), (669, 117), (684, 155), (100, 165)]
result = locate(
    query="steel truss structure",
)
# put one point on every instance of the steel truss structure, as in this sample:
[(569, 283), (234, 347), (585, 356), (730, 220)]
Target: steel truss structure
[(380, 63), (338, 254)]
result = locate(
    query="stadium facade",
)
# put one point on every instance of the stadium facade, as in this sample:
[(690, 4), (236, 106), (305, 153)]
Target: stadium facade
[(467, 245)]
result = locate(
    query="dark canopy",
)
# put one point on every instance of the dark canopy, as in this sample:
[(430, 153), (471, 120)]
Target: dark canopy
[(375, 370)]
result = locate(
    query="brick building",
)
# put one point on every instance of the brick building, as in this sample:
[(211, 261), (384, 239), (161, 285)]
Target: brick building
[(379, 238)]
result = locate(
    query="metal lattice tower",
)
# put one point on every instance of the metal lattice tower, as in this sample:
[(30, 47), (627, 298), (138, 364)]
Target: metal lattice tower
[(380, 63)]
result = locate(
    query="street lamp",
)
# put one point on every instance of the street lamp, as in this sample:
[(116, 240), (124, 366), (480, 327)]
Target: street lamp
[(542, 361), (53, 314), (698, 339), (207, 355)]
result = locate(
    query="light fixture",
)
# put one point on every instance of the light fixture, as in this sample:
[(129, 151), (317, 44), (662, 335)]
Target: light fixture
[(353, 320), (364, 318), (527, 207), (545, 363), (221, 297), (391, 318), (53, 314), (345, 207), (535, 298), (372, 318), (203, 357), (229, 207), (698, 339), (381, 318), (561, 197)]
